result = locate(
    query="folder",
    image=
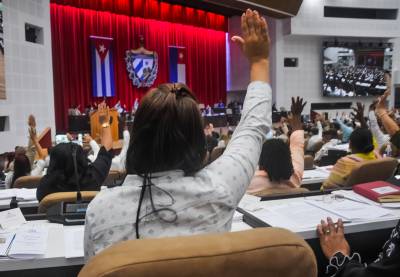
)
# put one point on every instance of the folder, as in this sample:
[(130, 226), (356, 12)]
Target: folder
[(379, 191)]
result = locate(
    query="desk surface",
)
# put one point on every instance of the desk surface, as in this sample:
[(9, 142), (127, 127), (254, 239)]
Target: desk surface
[(55, 255), (310, 233)]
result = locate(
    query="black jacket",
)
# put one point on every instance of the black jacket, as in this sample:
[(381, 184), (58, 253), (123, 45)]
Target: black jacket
[(92, 179)]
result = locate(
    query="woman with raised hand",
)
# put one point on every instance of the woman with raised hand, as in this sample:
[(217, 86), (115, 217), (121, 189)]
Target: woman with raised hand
[(167, 192)]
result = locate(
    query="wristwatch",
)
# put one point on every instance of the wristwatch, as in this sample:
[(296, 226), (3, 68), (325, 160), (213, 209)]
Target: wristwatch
[(105, 125)]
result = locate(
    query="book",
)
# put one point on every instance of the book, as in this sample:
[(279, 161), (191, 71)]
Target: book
[(379, 191)]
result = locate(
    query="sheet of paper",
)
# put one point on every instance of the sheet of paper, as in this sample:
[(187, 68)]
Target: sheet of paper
[(352, 210), (11, 219), (73, 241), (26, 194), (349, 194), (29, 242), (7, 193), (5, 243), (384, 190), (250, 203), (294, 216), (315, 174)]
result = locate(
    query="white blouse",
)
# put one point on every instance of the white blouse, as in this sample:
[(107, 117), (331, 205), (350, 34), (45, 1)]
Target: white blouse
[(203, 203)]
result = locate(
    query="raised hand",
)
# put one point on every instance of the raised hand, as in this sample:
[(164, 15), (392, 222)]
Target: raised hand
[(380, 107), (254, 41), (296, 109), (359, 114), (331, 238)]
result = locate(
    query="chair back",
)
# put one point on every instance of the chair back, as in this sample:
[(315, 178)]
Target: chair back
[(70, 196), (308, 162), (332, 157), (259, 252), (281, 192), (28, 182), (370, 171), (216, 153)]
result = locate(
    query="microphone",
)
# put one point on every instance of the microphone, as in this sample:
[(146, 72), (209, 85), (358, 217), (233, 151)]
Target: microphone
[(78, 186)]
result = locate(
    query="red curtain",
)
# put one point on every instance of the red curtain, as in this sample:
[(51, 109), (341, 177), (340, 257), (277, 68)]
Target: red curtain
[(71, 28), (153, 9)]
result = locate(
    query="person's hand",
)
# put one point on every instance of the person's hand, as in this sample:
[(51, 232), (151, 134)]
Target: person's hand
[(359, 114), (331, 238), (32, 121), (296, 109), (380, 107), (32, 134), (104, 113), (254, 41)]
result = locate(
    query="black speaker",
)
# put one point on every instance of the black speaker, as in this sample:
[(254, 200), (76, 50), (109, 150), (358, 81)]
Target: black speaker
[(291, 62)]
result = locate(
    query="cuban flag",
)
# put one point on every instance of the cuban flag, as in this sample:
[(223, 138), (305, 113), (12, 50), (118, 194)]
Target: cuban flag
[(177, 64), (102, 67)]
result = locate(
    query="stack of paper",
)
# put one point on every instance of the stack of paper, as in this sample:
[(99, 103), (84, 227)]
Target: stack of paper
[(21, 194), (294, 215), (26, 243), (317, 173), (250, 203), (351, 210), (73, 241)]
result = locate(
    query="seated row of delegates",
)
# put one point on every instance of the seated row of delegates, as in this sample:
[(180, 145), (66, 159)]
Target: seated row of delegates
[(167, 192), (342, 263)]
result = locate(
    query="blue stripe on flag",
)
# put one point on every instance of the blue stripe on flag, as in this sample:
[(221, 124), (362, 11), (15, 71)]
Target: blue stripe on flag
[(103, 79), (112, 73), (173, 64), (94, 78)]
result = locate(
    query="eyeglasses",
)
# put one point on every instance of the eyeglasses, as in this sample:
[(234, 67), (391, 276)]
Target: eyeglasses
[(330, 198)]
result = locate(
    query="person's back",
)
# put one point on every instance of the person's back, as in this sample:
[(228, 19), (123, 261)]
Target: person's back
[(281, 167), (166, 191), (362, 147)]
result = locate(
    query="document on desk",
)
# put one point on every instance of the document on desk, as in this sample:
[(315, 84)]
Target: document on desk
[(294, 216), (7, 194), (73, 241), (315, 174), (29, 242), (26, 194), (351, 195), (11, 219), (6, 240), (250, 203), (352, 210)]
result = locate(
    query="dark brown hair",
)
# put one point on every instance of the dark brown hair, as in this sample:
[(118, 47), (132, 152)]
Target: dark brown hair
[(167, 132), (22, 167)]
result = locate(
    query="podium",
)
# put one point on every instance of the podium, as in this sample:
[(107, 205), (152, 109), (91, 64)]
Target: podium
[(95, 126)]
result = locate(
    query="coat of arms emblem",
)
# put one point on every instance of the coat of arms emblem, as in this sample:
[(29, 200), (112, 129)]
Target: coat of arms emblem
[(142, 66)]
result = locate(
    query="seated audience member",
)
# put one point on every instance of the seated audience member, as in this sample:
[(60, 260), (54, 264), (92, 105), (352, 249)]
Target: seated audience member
[(61, 171), (22, 167), (362, 149), (167, 192), (316, 136), (381, 138), (279, 166), (342, 264), (211, 140), (346, 130), (330, 139)]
